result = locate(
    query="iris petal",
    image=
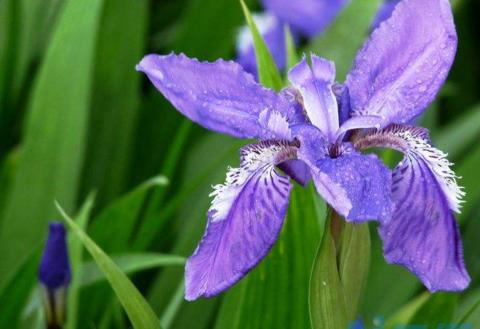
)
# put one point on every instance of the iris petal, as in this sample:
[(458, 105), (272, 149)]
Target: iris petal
[(308, 17), (423, 235), (366, 182), (244, 220), (402, 66), (315, 86), (220, 96)]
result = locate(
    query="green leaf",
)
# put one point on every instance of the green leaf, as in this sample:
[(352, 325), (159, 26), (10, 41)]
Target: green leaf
[(136, 307), (52, 146), (328, 308), (275, 293), (438, 309), (115, 225), (15, 296), (200, 32), (150, 225), (344, 37), (76, 254), (354, 264), (406, 313), (468, 171), (116, 92), (267, 69), (128, 263), (292, 57), (464, 318), (460, 134)]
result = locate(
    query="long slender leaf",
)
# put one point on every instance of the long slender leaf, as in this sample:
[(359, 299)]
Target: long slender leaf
[(406, 313), (115, 225), (52, 150), (136, 307), (76, 254), (437, 310), (464, 318), (115, 98), (267, 69), (459, 135), (128, 263)]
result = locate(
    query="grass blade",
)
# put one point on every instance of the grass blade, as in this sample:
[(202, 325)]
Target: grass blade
[(53, 143), (136, 307), (267, 69), (76, 255)]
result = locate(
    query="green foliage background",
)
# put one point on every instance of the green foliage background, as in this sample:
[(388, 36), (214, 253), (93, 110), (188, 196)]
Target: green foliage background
[(75, 117)]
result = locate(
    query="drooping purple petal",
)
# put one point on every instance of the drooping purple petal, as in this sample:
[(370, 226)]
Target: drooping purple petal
[(415, 142), (244, 220), (366, 181), (272, 32), (309, 17), (220, 96), (402, 66), (384, 12), (315, 85), (423, 235)]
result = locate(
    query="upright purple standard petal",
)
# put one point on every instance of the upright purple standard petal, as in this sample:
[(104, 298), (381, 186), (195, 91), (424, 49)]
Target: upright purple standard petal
[(402, 66), (272, 32), (219, 96), (315, 86), (54, 269), (244, 220), (309, 17)]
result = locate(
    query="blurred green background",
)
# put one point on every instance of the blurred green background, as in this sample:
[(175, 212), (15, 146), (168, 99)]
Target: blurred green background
[(76, 117)]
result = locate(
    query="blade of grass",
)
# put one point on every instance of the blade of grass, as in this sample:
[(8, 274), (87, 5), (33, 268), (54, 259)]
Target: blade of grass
[(467, 315), (52, 149), (406, 313), (136, 307), (460, 134), (292, 57), (129, 263), (267, 70), (116, 92), (76, 255)]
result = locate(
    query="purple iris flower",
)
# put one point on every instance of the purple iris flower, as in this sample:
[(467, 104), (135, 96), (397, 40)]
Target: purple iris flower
[(306, 18), (316, 130)]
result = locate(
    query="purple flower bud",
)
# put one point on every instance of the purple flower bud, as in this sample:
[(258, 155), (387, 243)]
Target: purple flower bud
[(54, 269), (55, 275)]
